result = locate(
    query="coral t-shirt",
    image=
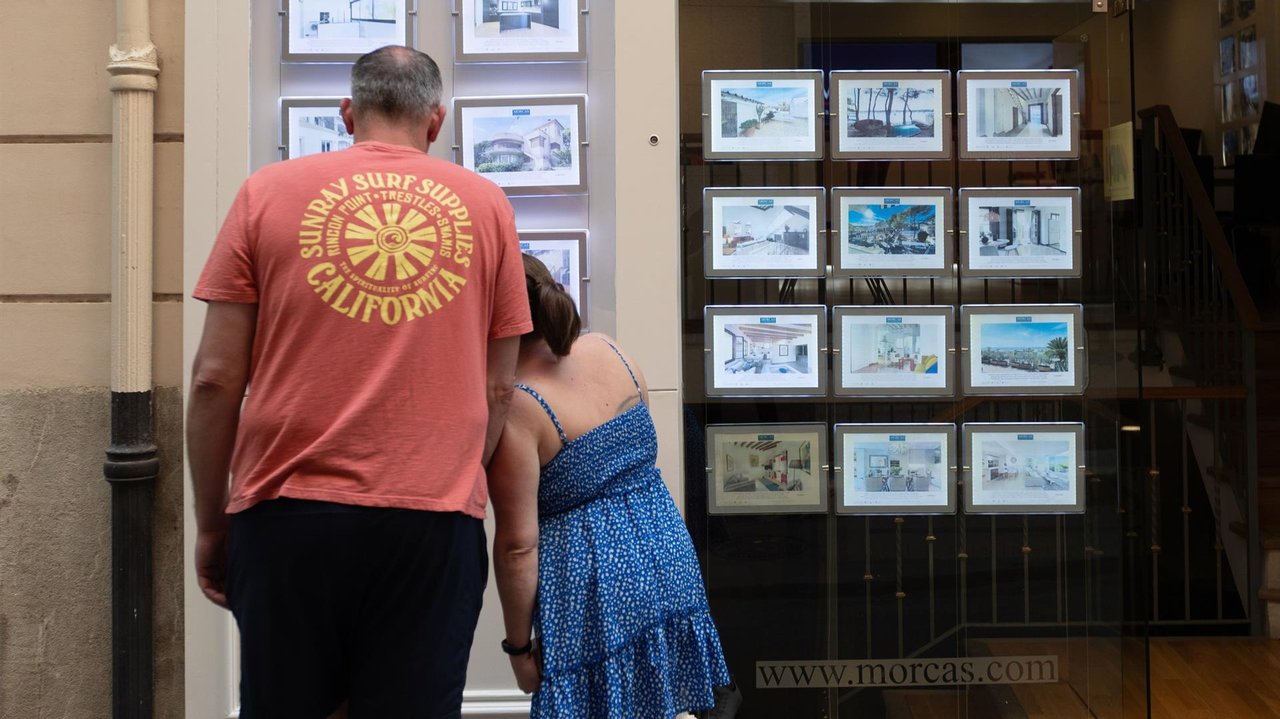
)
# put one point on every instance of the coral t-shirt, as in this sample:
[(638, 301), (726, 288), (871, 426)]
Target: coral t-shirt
[(380, 275)]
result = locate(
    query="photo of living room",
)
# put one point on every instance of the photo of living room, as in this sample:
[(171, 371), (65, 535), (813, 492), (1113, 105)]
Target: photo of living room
[(1022, 230), (900, 466), (766, 468), (893, 349), (773, 353), (774, 348), (764, 232), (1008, 464), (1024, 467), (1014, 232), (895, 468)]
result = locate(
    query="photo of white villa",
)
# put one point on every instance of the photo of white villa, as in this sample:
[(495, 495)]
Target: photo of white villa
[(775, 110), (344, 26), (314, 129), (522, 144), (1007, 464), (765, 465), (757, 229), (1008, 230)]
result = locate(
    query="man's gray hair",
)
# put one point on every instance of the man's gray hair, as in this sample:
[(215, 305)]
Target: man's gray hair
[(396, 82)]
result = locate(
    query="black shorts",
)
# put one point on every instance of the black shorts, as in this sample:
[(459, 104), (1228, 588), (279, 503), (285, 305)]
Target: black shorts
[(369, 605)]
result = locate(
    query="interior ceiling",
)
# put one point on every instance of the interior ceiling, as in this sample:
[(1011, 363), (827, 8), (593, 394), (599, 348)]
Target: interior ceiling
[(761, 334)]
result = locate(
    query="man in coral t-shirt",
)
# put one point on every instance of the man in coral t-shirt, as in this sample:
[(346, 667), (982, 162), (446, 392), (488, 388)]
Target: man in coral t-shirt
[(365, 312)]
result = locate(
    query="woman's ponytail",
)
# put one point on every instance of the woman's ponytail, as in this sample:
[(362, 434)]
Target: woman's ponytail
[(555, 316)]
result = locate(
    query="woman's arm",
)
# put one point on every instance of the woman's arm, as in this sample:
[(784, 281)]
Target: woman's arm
[(513, 488)]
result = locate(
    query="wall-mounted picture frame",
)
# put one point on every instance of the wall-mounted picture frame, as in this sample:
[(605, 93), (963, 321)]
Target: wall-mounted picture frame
[(892, 231), (1021, 232), (767, 468), (1022, 468), (564, 252), (1226, 55), (762, 114), (895, 468), (764, 232), (1020, 114), (527, 145), (891, 351), (520, 30), (891, 114), (342, 30), (309, 125), (1250, 98), (744, 352), (1247, 47), (1023, 349)]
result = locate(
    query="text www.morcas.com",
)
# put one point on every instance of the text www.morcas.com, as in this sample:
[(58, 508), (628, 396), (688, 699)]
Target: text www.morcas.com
[(907, 672)]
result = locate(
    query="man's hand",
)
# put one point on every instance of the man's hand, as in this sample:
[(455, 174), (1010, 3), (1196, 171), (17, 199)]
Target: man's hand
[(211, 565), (528, 671)]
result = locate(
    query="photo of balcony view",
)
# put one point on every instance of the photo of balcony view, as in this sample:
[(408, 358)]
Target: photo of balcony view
[(325, 20), (1024, 347), (747, 111), (769, 348), (528, 143), (765, 230), (905, 466), (512, 18), (766, 465), (893, 229), (891, 111), (1019, 111), (314, 130), (878, 347), (1010, 464), (1009, 231)]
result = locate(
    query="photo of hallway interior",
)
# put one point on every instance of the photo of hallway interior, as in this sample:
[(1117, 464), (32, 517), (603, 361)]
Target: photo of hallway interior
[(769, 348), (1017, 465), (766, 466)]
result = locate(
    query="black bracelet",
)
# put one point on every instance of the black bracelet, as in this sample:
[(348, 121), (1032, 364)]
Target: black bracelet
[(517, 651)]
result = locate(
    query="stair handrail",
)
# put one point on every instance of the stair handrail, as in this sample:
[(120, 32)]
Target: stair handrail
[(1225, 258)]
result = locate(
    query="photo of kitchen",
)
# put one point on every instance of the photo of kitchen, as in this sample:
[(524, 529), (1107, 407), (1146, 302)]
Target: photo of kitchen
[(528, 18)]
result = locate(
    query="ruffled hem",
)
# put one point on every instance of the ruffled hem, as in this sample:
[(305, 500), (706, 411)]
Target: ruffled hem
[(667, 670)]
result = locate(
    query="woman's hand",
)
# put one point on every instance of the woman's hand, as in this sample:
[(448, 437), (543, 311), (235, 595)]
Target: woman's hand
[(528, 671)]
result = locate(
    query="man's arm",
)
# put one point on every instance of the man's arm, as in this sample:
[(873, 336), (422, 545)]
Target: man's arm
[(219, 376), (500, 370)]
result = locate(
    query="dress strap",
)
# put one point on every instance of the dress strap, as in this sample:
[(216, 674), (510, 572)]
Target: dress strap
[(564, 439), (613, 347)]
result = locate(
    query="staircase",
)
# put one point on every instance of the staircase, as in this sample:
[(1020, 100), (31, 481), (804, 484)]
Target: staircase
[(1267, 391)]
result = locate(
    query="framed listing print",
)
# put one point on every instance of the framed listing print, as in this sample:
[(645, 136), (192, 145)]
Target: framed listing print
[(895, 468), (1022, 349), (564, 252), (894, 351), (762, 114), (892, 231), (755, 351), (1020, 114), (527, 145), (766, 469), (891, 115), (312, 124), (1020, 232), (764, 232), (1024, 468), (520, 30), (342, 30)]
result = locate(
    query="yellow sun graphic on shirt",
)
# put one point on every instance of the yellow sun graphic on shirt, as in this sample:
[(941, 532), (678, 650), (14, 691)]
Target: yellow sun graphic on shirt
[(390, 240)]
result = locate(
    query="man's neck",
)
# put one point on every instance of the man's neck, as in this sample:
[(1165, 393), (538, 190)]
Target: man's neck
[(414, 137)]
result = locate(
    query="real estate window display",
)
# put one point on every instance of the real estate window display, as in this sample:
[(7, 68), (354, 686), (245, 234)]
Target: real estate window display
[(936, 584)]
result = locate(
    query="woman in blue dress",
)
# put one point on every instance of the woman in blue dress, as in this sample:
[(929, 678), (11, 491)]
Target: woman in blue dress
[(593, 562)]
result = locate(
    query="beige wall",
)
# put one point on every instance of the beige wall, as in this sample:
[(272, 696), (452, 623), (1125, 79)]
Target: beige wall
[(1175, 48), (55, 280)]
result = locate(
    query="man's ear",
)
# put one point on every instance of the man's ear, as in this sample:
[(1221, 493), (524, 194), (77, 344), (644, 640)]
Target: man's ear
[(436, 121), (348, 115)]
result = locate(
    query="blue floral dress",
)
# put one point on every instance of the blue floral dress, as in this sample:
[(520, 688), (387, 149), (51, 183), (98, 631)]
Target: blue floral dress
[(621, 614)]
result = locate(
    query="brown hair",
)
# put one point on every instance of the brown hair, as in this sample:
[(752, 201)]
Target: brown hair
[(555, 316)]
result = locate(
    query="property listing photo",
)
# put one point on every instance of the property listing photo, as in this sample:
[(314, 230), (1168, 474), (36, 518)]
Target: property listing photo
[(764, 232), (894, 351), (338, 30), (762, 114), (1024, 467), (1024, 114), (906, 233), (311, 125), (763, 350), (519, 30), (1023, 348), (1020, 232), (564, 252), (766, 468), (891, 115), (525, 145), (895, 468)]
